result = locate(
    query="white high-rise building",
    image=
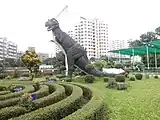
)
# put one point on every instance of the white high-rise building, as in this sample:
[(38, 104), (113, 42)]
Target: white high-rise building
[(92, 35), (116, 45), (8, 49)]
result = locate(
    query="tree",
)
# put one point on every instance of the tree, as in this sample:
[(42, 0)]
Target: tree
[(135, 43), (157, 31), (99, 64), (148, 37), (31, 60)]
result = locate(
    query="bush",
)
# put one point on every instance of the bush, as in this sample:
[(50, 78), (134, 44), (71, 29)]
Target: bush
[(121, 86), (2, 75), (106, 79), (111, 83), (9, 112), (120, 78), (126, 75), (28, 88), (9, 102), (132, 79), (47, 77), (60, 76), (25, 75), (2, 88), (4, 92), (67, 79), (118, 66), (58, 110), (89, 78), (93, 110), (36, 86), (54, 97), (8, 77), (26, 102), (156, 76), (139, 76)]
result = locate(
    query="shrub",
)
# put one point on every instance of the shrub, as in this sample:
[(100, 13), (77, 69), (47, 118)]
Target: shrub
[(67, 79), (132, 79), (93, 110), (11, 87), (54, 97), (36, 86), (8, 77), (9, 112), (26, 101), (2, 88), (4, 92), (28, 88), (47, 77), (106, 79), (118, 66), (138, 76), (13, 101), (58, 110), (89, 78), (121, 86), (9, 102), (60, 76), (156, 76), (2, 75), (111, 83), (43, 91), (25, 75), (120, 78), (126, 75)]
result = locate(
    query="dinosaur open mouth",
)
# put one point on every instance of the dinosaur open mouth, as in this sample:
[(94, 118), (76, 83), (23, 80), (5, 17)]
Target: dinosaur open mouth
[(49, 28)]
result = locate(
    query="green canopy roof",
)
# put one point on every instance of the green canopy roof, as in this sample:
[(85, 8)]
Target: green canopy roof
[(153, 47)]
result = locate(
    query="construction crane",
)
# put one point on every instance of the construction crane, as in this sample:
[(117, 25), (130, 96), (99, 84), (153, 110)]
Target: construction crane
[(62, 11), (66, 61)]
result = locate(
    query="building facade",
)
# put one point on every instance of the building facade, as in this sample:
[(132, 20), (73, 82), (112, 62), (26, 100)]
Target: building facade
[(8, 49), (116, 45), (43, 56), (92, 35)]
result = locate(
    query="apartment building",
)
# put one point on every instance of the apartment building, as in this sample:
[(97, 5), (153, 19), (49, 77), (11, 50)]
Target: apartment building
[(43, 56), (92, 35), (118, 44), (8, 49)]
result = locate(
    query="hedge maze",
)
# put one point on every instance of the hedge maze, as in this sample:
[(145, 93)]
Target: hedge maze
[(52, 101)]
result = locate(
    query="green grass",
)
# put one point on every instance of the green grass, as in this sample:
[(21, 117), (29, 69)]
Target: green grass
[(140, 102)]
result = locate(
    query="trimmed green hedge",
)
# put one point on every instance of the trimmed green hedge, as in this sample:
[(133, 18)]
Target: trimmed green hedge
[(28, 88), (93, 110), (39, 102), (58, 110), (4, 92), (9, 102), (43, 91), (56, 96), (13, 111)]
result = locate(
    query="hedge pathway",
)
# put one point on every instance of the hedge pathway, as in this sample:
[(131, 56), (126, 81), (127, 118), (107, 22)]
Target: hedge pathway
[(54, 101)]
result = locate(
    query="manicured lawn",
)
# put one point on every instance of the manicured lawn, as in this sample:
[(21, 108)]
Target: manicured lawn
[(140, 102)]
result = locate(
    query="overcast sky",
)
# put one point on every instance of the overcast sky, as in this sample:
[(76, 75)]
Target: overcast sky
[(22, 21)]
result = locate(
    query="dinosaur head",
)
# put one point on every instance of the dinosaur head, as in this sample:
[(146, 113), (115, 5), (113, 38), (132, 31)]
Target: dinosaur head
[(51, 24)]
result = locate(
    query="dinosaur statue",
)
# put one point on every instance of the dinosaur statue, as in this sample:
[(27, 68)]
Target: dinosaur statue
[(76, 54)]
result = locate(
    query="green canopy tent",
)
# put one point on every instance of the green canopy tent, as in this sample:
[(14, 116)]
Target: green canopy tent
[(148, 48)]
